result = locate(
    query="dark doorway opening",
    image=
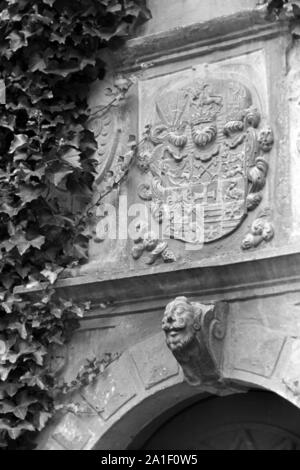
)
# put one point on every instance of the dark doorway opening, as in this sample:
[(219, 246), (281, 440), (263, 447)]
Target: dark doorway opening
[(250, 421)]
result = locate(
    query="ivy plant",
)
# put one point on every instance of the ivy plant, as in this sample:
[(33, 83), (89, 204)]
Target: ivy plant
[(50, 54), (284, 8)]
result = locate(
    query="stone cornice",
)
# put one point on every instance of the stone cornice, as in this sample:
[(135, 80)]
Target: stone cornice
[(145, 293), (197, 39)]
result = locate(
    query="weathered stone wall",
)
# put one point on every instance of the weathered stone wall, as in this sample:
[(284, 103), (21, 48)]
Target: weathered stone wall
[(167, 15), (235, 51), (215, 45), (294, 115), (262, 349)]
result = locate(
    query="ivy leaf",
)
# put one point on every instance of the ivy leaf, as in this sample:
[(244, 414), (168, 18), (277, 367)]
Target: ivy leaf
[(8, 280), (7, 209), (9, 389), (37, 351), (8, 406), (72, 157), (57, 312), (5, 371), (4, 15), (39, 356), (51, 275), (23, 271), (79, 311), (15, 431), (49, 2), (18, 240), (40, 419), (2, 344), (19, 141), (138, 9), (59, 176), (37, 242), (16, 41), (56, 37), (32, 380), (37, 62), (28, 193), (113, 8), (24, 400), (19, 327)]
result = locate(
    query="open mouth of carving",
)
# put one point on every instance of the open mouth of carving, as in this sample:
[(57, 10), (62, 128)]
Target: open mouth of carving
[(175, 331)]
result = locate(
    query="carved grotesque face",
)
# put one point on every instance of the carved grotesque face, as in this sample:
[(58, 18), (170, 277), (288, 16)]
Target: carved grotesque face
[(179, 324), (266, 140)]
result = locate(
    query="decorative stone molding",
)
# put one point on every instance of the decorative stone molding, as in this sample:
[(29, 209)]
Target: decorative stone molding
[(195, 333), (197, 39)]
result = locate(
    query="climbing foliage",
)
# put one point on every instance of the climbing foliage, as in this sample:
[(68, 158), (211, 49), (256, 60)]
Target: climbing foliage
[(51, 52)]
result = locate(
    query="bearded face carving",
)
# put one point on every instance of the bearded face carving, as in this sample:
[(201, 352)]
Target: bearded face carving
[(180, 324), (194, 333)]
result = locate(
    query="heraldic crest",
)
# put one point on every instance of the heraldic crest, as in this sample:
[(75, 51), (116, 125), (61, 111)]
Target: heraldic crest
[(204, 152)]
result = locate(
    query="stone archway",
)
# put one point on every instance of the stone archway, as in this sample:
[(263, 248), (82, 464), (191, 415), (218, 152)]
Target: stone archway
[(257, 420), (146, 381), (122, 401)]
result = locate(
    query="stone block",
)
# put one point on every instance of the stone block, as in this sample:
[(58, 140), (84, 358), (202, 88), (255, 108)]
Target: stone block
[(72, 433), (259, 356), (154, 361), (289, 373), (53, 445), (114, 388)]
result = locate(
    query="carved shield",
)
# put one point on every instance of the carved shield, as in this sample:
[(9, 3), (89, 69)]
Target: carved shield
[(205, 154)]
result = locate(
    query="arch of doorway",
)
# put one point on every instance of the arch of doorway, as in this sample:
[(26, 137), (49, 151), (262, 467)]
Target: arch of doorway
[(257, 420), (145, 383)]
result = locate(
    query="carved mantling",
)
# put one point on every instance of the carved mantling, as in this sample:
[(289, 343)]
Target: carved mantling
[(195, 335)]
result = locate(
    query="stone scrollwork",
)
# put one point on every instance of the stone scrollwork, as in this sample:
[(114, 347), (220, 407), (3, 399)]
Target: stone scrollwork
[(147, 241), (145, 192), (116, 147), (118, 170), (261, 231), (195, 334)]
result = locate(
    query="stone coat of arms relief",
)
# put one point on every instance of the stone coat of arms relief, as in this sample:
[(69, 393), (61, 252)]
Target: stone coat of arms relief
[(199, 168), (205, 158)]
